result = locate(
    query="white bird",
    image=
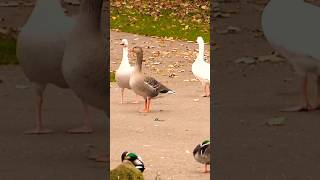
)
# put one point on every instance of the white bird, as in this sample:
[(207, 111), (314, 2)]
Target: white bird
[(201, 69), (125, 70), (40, 49), (292, 29)]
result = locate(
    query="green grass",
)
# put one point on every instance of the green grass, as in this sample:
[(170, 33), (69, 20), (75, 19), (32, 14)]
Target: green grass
[(112, 77), (165, 25), (8, 50), (126, 172)]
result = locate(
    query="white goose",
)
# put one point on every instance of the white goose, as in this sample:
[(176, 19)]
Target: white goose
[(40, 49), (125, 70), (292, 28), (201, 69)]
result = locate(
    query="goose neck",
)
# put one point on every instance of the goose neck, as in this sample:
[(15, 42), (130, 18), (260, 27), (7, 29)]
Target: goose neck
[(125, 55), (90, 12), (138, 66), (201, 52)]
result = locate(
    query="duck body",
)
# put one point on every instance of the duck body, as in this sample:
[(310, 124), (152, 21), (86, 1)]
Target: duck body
[(201, 153), (292, 29), (84, 64)]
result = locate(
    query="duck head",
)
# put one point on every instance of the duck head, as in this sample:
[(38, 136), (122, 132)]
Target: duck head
[(134, 159)]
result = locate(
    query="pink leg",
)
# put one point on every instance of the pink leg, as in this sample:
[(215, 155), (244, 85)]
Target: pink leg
[(304, 98), (39, 102), (122, 90), (86, 128)]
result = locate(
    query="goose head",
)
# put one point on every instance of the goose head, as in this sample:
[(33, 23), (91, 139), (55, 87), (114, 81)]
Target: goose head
[(124, 42), (134, 159), (200, 40)]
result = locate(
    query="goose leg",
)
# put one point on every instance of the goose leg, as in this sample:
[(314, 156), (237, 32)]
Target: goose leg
[(122, 90), (208, 90), (206, 168), (39, 89), (145, 106), (317, 106), (87, 124), (148, 104), (204, 86), (136, 101), (304, 98)]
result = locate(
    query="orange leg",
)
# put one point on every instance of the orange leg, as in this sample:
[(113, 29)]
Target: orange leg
[(145, 106), (206, 168), (148, 104)]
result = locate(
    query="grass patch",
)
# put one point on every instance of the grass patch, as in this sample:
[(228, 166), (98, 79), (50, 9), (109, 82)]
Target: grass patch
[(8, 50), (177, 22), (112, 76), (126, 171)]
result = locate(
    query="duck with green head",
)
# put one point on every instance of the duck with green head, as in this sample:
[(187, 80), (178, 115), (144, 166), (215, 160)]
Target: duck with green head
[(201, 153)]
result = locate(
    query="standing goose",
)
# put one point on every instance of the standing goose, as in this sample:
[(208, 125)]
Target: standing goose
[(201, 153), (145, 86), (292, 29), (84, 62), (201, 69), (125, 70), (40, 49)]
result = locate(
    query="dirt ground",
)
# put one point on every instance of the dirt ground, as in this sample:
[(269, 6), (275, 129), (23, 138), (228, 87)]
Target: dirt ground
[(247, 97), (53, 156), (184, 118)]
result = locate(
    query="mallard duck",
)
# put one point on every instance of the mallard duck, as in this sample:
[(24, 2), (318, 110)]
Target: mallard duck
[(292, 29), (40, 50), (134, 159), (201, 69), (125, 70), (201, 153), (145, 86)]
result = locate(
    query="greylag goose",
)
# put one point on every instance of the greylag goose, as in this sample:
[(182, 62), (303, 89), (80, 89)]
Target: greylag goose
[(145, 86), (201, 69), (84, 63), (292, 29), (125, 70), (134, 159), (40, 49), (201, 153)]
